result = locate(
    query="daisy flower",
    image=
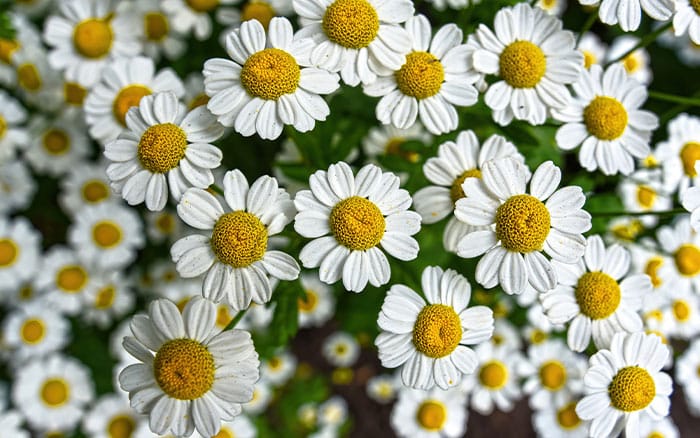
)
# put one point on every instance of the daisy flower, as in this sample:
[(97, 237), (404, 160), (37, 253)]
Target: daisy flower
[(534, 60), (199, 375), (643, 191), (63, 279), (110, 298), (34, 330), (681, 316), (663, 428), (683, 245), (157, 35), (318, 304), (521, 225), (349, 217), (86, 36), (625, 382), (429, 340), (12, 135), (636, 64), (279, 368), (56, 146), (382, 388), (432, 80), (83, 186), (260, 400), (17, 186), (37, 82), (163, 226), (429, 414), (552, 7), (455, 162), (193, 15), (687, 376), (269, 83), (628, 13), (239, 427), (560, 421), (341, 349), (235, 256), (20, 252), (679, 153), (387, 140), (164, 148), (358, 38), (605, 119), (687, 19), (10, 423), (25, 35), (111, 417), (261, 10), (593, 49)]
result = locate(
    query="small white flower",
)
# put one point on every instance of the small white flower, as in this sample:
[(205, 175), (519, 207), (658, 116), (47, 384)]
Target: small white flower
[(425, 414), (193, 15), (20, 252), (636, 64), (687, 19), (628, 12), (34, 330), (341, 349), (680, 152)]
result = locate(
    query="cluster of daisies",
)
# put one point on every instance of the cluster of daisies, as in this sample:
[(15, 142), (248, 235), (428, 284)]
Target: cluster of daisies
[(143, 278)]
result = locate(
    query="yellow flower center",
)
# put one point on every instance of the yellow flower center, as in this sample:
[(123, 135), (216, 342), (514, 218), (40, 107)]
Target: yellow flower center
[(71, 278), (166, 223), (456, 192), (631, 389), (121, 426), (628, 231), (689, 154), (8, 252), (357, 223), (650, 161), (224, 432), (522, 223), (202, 5), (646, 196), (522, 64), (258, 10), (95, 191), (351, 23), (199, 100), (553, 375), (537, 336), (605, 118), (56, 142), (105, 297), (567, 417), (239, 239), (681, 310), (106, 234), (437, 330), (26, 293), (588, 59), (493, 375), (74, 93), (695, 4), (223, 316), (431, 415), (93, 38), (28, 77), (155, 26), (394, 147), (597, 295), (687, 259), (55, 392), (652, 269), (7, 49), (184, 369), (308, 303), (631, 63), (126, 98), (33, 331), (3, 126), (421, 76), (270, 74), (162, 147)]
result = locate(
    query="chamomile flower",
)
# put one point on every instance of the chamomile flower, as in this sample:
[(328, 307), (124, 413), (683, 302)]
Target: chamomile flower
[(596, 295), (260, 399), (647, 259), (387, 140), (165, 149), (593, 49), (192, 16), (383, 388), (34, 330), (628, 13), (63, 279), (262, 10), (26, 35), (111, 417), (432, 80), (332, 412), (122, 86), (349, 217), (636, 64), (548, 219), (278, 369), (552, 7), (688, 377), (625, 382), (679, 153), (687, 19), (663, 428), (268, 83), (683, 245), (605, 119), (534, 60), (19, 252), (17, 186), (110, 298), (560, 420), (235, 256), (239, 427), (455, 162), (37, 82), (10, 423), (12, 134), (157, 34), (56, 146), (163, 225), (341, 349), (643, 191), (83, 186), (430, 414), (318, 304), (358, 38), (681, 317)]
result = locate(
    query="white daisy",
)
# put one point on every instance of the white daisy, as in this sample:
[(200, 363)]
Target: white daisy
[(430, 414), (199, 375), (663, 428), (37, 82), (239, 427), (624, 383), (593, 295), (188, 16), (560, 421), (279, 368), (687, 19), (34, 330), (20, 252), (262, 10), (63, 279), (593, 49), (332, 412), (552, 7), (387, 140), (269, 83), (534, 59), (644, 191), (56, 146), (110, 298), (17, 186), (682, 244), (12, 135), (628, 13), (358, 38), (164, 225), (687, 376), (432, 80), (111, 417), (349, 217), (260, 400), (605, 119), (10, 423), (636, 64), (382, 388), (165, 149), (429, 341), (85, 185), (341, 349), (548, 219), (26, 35), (157, 34), (679, 153), (318, 304), (681, 316), (235, 256)]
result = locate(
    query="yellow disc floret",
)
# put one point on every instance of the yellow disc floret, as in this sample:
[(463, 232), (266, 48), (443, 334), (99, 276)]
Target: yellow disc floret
[(162, 147), (687, 259), (74, 93), (437, 330), (56, 142), (597, 295), (71, 278), (421, 76), (94, 191), (270, 74), (28, 77), (522, 64), (431, 415), (184, 369), (646, 196), (8, 252), (351, 23), (456, 192), (93, 38), (553, 375), (652, 269), (493, 375), (239, 239), (631, 63), (202, 5), (631, 389), (695, 4), (605, 118), (155, 26), (7, 49), (681, 310), (126, 98), (522, 224), (121, 426), (258, 10), (32, 331), (55, 392), (357, 223), (105, 297), (567, 417), (3, 126), (588, 59), (690, 153), (106, 234), (308, 303)]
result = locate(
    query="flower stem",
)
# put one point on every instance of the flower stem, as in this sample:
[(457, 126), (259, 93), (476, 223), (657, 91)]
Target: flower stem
[(674, 99), (217, 189), (587, 25), (648, 39), (672, 212), (235, 320)]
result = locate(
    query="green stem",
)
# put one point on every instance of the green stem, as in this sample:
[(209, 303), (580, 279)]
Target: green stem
[(235, 320), (587, 26), (674, 99), (217, 189), (672, 212), (648, 39)]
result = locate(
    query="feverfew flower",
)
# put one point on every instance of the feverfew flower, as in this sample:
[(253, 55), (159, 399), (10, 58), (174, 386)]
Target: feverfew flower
[(628, 13), (636, 64), (679, 153), (20, 252), (687, 375), (193, 15), (593, 49), (34, 330), (428, 414), (13, 136), (687, 18), (560, 420)]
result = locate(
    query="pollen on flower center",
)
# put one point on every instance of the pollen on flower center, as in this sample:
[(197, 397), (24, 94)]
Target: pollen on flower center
[(55, 392), (605, 118), (105, 298), (308, 303), (493, 375), (33, 331), (553, 375), (71, 278), (431, 415), (239, 239), (155, 26), (695, 4), (258, 10), (106, 234), (128, 96), (646, 196), (162, 147), (652, 268), (690, 153), (56, 142), (121, 426), (270, 74), (8, 252), (522, 224), (681, 310), (28, 77), (92, 38), (357, 223), (74, 93), (522, 64), (597, 295), (184, 369), (351, 23), (421, 76), (567, 417), (437, 330), (94, 191), (202, 5), (687, 259), (456, 192), (631, 389)]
